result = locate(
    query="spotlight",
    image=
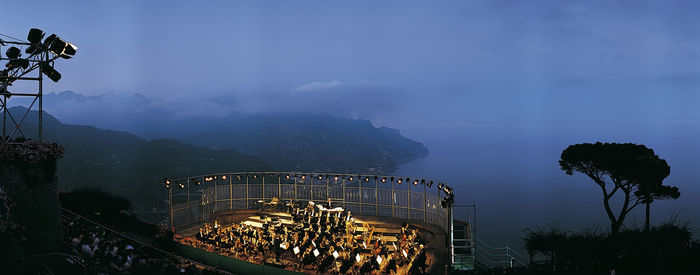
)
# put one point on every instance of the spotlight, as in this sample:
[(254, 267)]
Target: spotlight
[(223, 177), (196, 181), (350, 179), (50, 72), (422, 181), (167, 182), (58, 45), (13, 52), (440, 186), (383, 180), (179, 184), (69, 51), (448, 190), (35, 35), (430, 183), (335, 178), (303, 177), (49, 40), (415, 182), (398, 181), (239, 177), (287, 176), (255, 176), (366, 179), (320, 177)]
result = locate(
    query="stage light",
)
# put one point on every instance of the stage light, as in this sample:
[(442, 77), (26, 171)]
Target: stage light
[(430, 183), (69, 51), (350, 179), (239, 177), (440, 186), (398, 181), (179, 184), (49, 40), (223, 177), (196, 181), (13, 52), (415, 182), (366, 179), (383, 180), (35, 35), (287, 176), (255, 176), (50, 72), (58, 45), (422, 181), (303, 177), (167, 182), (335, 178), (320, 177)]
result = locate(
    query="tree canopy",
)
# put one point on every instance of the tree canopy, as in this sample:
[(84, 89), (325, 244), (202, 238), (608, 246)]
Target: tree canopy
[(632, 170)]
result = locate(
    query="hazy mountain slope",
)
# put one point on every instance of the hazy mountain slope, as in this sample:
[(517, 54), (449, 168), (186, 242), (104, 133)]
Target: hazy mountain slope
[(310, 142), (125, 164)]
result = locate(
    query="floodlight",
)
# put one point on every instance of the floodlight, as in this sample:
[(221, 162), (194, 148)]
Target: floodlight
[(57, 46), (335, 178), (350, 179), (69, 51), (223, 177), (239, 177), (49, 40), (179, 184), (196, 181), (287, 176), (440, 186), (430, 183), (167, 182), (35, 35), (366, 179), (50, 72), (398, 181), (320, 177), (303, 177), (383, 180), (24, 63), (415, 182), (13, 52)]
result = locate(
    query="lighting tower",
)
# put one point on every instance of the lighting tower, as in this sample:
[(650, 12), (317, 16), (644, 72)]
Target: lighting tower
[(23, 58)]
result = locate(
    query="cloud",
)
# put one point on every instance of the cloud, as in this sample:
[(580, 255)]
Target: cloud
[(318, 85)]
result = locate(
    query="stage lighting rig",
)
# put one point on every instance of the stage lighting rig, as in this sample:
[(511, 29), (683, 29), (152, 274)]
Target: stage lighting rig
[(40, 58)]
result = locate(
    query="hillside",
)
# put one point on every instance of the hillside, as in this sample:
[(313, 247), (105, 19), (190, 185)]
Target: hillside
[(301, 141), (124, 164)]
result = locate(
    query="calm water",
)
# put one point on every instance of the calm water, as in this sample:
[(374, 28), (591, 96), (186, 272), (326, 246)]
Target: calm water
[(518, 184)]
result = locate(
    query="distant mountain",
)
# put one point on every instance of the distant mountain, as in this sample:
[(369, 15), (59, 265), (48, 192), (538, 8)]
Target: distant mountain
[(308, 142), (311, 142), (124, 164)]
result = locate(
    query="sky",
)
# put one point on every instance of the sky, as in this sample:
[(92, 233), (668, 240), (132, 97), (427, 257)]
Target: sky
[(525, 78)]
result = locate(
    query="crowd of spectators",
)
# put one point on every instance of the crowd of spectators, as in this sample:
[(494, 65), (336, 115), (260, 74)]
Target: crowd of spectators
[(97, 250), (312, 238)]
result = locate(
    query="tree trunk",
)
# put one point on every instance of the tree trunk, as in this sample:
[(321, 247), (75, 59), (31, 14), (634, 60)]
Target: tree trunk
[(646, 222)]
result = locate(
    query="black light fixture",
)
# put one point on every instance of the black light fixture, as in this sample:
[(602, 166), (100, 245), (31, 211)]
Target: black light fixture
[(320, 177), (335, 178), (13, 52), (57, 46), (255, 176), (383, 180), (35, 35), (69, 51), (350, 179), (303, 177), (287, 176), (430, 183), (366, 179), (50, 72), (239, 177), (415, 182), (440, 186), (179, 184), (398, 181), (196, 181)]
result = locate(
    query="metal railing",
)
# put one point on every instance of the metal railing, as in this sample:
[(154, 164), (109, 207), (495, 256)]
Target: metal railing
[(198, 199), (497, 256)]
